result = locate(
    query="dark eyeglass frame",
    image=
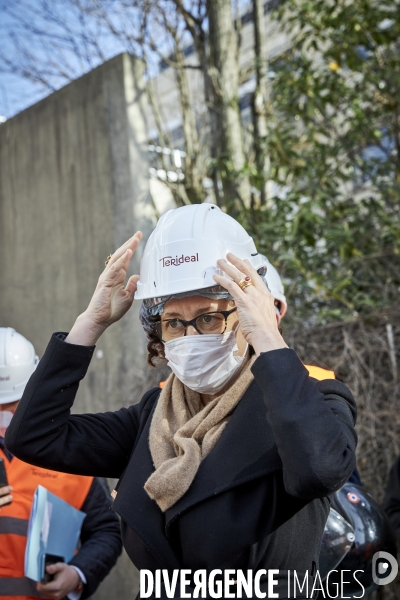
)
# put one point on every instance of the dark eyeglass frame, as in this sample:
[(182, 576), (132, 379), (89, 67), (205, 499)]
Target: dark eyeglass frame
[(192, 322)]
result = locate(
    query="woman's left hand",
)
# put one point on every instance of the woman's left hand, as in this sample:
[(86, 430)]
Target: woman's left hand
[(255, 305)]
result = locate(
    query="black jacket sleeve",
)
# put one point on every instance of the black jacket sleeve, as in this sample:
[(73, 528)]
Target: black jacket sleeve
[(44, 433), (313, 424), (391, 503), (101, 542)]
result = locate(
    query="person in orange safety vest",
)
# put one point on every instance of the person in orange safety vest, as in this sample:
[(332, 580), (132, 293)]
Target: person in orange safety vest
[(100, 536)]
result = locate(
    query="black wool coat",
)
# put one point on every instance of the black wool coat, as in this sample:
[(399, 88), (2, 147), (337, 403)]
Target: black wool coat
[(259, 499), (100, 538), (391, 503)]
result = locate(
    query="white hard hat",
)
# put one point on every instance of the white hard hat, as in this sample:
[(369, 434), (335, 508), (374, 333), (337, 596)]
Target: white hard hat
[(275, 285), (182, 252), (17, 363)]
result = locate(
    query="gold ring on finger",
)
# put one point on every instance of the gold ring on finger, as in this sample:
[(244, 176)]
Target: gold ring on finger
[(245, 282), (108, 259)]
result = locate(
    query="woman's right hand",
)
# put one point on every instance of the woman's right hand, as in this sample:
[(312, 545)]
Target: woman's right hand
[(111, 298), (5, 495)]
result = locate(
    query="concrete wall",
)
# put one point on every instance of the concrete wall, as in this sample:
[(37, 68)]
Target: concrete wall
[(74, 185)]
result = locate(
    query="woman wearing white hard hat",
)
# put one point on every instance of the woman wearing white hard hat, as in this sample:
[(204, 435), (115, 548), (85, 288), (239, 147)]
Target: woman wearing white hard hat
[(229, 467)]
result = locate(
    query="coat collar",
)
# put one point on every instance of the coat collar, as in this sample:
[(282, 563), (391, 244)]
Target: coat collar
[(245, 451), (136, 507)]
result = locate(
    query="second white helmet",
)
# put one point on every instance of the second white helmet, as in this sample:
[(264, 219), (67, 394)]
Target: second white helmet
[(17, 363), (182, 252)]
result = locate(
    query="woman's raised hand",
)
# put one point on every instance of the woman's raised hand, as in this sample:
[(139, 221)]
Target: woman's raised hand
[(255, 305), (112, 298)]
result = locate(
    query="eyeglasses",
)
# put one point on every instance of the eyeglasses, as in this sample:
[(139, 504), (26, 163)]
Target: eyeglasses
[(211, 322)]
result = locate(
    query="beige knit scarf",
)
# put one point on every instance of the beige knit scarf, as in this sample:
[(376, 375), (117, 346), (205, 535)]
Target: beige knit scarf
[(183, 432)]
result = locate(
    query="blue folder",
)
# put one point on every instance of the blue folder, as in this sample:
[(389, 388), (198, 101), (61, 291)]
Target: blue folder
[(54, 528)]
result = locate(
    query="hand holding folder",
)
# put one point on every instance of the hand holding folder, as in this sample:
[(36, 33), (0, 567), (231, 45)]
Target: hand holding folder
[(54, 528)]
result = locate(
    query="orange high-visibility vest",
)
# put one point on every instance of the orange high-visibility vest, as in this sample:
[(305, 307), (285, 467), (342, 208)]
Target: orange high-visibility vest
[(316, 372), (24, 480), (320, 373)]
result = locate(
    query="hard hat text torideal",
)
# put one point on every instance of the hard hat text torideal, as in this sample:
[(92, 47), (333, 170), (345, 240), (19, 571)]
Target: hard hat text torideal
[(168, 261)]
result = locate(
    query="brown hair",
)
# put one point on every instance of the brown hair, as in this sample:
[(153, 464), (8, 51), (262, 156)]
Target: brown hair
[(155, 348)]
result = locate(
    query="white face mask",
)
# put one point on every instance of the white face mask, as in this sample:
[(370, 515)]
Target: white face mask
[(5, 420), (204, 363)]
